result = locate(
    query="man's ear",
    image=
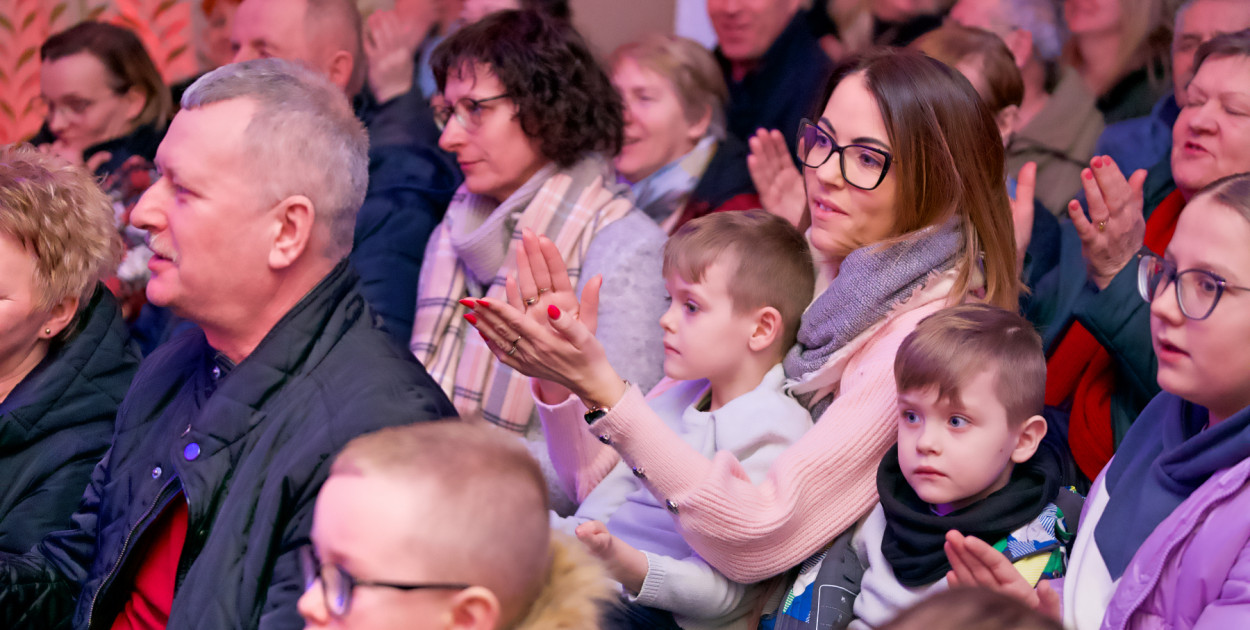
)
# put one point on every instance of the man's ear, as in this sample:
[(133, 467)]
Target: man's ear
[(294, 219), (59, 316), (1020, 42), (1030, 438), (339, 69), (767, 329), (475, 608)]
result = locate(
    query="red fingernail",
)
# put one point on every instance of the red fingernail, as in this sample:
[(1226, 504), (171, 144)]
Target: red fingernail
[(467, 303), (1097, 162), (471, 318), (553, 312), (483, 304), (1087, 174)]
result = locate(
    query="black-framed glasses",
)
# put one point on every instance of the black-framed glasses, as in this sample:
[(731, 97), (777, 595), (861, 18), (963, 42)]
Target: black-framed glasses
[(337, 584), (863, 167), (1197, 290), (468, 112)]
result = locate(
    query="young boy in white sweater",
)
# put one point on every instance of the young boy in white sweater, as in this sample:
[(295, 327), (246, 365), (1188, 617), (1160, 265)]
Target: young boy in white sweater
[(738, 283)]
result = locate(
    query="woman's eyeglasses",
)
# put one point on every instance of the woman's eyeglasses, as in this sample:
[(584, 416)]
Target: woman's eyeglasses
[(1197, 290), (467, 111), (862, 166), (337, 584)]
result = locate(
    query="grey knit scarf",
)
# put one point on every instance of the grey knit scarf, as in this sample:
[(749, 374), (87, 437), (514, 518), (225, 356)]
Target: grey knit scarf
[(870, 281)]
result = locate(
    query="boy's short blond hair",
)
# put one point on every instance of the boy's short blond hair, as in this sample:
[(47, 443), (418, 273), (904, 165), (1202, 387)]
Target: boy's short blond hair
[(771, 262), (952, 346), (61, 216), (494, 529)]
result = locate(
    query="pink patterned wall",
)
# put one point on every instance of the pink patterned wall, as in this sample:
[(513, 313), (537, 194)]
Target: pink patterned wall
[(163, 25)]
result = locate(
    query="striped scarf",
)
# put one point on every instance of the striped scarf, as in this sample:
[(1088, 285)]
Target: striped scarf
[(472, 252)]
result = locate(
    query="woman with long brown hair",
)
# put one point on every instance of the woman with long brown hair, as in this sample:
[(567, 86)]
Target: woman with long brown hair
[(903, 167)]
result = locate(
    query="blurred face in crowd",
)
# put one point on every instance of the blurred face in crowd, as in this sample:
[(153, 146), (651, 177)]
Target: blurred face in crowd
[(474, 10), (983, 14), (280, 29), (1196, 359), (901, 10), (83, 109), (1211, 137), (494, 152), (23, 321), (1199, 23), (362, 524), (209, 223), (657, 130), (745, 29), (846, 218), (217, 32), (1085, 17)]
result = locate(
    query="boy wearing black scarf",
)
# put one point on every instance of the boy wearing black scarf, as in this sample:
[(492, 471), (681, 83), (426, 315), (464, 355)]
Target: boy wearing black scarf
[(971, 384)]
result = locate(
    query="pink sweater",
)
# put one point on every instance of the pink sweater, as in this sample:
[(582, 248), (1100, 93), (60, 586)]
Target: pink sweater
[(818, 487)]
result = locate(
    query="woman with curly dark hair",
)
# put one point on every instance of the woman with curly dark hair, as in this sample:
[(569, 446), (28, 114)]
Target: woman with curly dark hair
[(533, 121)]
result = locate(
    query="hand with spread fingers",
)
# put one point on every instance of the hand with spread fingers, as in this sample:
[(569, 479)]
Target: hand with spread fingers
[(545, 332), (975, 563), (1113, 233), (779, 183), (1022, 210)]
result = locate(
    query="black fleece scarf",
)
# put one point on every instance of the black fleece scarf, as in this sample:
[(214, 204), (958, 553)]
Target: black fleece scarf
[(914, 535)]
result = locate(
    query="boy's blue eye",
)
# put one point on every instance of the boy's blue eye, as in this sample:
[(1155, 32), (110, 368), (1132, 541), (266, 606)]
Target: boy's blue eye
[(691, 307), (957, 422), (910, 417)]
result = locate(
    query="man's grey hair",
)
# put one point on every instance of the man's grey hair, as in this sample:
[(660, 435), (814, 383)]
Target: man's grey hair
[(303, 138), (1043, 19)]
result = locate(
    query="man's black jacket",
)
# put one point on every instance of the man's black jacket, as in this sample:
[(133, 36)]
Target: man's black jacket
[(247, 447)]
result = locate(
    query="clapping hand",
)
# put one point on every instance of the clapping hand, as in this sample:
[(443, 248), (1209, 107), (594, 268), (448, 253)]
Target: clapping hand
[(1115, 229), (778, 182), (975, 563)]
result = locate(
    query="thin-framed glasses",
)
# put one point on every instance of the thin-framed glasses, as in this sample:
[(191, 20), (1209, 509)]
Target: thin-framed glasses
[(468, 112), (337, 584), (863, 167), (1197, 290)]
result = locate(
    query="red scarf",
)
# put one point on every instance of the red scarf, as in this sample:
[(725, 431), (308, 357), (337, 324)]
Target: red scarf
[(1080, 370)]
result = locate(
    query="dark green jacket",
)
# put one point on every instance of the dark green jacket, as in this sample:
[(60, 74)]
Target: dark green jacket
[(247, 449), (56, 424)]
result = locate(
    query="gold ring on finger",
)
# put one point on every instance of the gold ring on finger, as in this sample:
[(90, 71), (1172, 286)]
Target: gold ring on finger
[(542, 291), (532, 301), (1102, 226)]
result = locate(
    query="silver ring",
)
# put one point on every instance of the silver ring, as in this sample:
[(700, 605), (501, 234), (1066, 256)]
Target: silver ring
[(531, 301), (512, 350)]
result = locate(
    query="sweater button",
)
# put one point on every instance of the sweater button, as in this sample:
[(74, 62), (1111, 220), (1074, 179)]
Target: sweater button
[(191, 451), (671, 505), (639, 472), (605, 439), (156, 472)]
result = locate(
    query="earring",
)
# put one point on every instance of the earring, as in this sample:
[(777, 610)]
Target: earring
[(47, 331)]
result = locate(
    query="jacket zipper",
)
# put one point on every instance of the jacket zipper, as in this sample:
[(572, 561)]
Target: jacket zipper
[(160, 499)]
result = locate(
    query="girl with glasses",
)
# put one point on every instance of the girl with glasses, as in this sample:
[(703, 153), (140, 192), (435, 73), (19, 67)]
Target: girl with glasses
[(1164, 541), (908, 212)]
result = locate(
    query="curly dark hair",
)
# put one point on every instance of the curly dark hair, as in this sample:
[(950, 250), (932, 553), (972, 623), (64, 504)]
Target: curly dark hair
[(564, 99)]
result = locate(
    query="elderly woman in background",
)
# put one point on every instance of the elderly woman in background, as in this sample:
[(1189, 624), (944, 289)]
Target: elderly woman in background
[(66, 359), (678, 156), (1164, 539), (1101, 371), (532, 120)]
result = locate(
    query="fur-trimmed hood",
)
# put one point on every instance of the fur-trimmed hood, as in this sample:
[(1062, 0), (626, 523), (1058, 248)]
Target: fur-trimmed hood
[(576, 592)]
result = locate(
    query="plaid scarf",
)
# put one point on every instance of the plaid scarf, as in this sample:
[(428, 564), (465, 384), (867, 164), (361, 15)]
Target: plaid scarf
[(472, 252), (662, 195)]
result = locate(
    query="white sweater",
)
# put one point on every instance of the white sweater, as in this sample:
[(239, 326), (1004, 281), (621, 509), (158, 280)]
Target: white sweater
[(756, 427)]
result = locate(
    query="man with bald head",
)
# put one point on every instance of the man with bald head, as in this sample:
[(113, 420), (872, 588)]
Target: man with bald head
[(452, 518), (410, 180), (194, 516)]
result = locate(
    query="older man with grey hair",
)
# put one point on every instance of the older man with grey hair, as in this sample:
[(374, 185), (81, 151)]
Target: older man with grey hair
[(1059, 122), (194, 517)]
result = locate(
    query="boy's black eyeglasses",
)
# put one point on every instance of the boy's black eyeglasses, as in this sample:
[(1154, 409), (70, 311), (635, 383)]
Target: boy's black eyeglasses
[(1197, 290), (863, 167), (337, 584)]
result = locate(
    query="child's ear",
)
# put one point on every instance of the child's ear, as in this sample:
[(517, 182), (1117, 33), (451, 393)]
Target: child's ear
[(475, 608), (1030, 437), (767, 330)]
